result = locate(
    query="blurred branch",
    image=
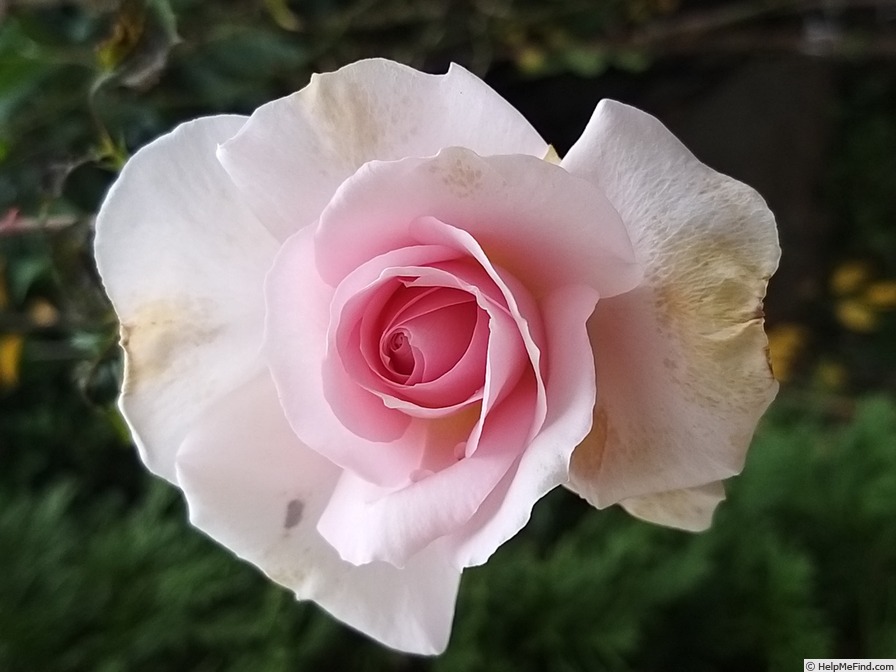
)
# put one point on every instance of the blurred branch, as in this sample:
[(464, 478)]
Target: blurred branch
[(723, 29), (12, 223), (759, 41)]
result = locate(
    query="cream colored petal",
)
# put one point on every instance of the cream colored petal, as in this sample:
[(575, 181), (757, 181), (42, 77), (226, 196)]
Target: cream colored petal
[(183, 261), (294, 152), (681, 362), (253, 486), (689, 509)]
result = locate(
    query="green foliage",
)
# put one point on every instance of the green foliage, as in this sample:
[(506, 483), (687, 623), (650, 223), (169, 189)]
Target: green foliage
[(862, 184), (864, 198), (99, 569), (115, 589), (81, 85), (799, 563)]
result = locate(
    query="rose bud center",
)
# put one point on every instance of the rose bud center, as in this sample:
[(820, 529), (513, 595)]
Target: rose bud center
[(427, 331)]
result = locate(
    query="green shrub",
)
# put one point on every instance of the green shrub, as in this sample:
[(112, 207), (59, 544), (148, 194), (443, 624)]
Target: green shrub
[(800, 563)]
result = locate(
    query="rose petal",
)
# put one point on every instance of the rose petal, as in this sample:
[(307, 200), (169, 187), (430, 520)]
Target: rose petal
[(353, 358), (184, 263), (460, 385), (295, 152), (382, 445), (509, 348), (515, 328), (545, 463), (366, 523), (498, 357), (460, 376), (690, 509), (512, 328), (255, 488), (681, 362), (441, 335), (506, 203)]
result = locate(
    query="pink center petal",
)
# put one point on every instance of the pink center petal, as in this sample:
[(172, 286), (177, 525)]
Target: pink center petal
[(426, 334), (397, 355), (439, 338), (417, 337)]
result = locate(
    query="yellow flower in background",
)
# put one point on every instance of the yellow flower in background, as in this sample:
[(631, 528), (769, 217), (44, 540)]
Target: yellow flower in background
[(882, 294), (830, 375), (860, 300), (10, 360), (856, 315), (10, 344), (786, 343), (849, 277)]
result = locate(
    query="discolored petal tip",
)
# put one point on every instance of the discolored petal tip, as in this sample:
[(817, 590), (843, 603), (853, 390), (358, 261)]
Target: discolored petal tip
[(681, 362), (690, 509), (679, 409), (189, 332)]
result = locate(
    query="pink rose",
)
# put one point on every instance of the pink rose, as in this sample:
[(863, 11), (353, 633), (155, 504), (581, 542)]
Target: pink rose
[(369, 326)]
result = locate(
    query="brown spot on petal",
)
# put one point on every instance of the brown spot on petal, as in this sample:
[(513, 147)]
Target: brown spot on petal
[(354, 121), (461, 179), (588, 455), (687, 509), (293, 513), (708, 250), (161, 332)]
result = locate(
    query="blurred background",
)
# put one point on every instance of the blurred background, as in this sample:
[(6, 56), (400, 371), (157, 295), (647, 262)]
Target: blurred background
[(99, 570)]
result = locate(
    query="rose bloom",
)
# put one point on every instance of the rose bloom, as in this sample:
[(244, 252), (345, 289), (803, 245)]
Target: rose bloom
[(369, 326)]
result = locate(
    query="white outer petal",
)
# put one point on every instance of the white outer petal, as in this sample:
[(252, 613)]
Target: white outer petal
[(254, 487), (184, 262), (689, 509), (294, 152), (682, 370)]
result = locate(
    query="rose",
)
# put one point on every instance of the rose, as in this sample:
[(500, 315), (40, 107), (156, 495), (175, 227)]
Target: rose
[(367, 327)]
